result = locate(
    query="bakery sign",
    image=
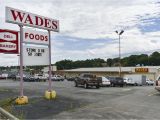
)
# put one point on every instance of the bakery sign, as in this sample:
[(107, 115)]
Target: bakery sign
[(33, 55), (8, 41), (141, 70), (28, 19)]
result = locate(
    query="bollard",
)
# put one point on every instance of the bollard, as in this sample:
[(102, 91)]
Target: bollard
[(50, 94), (22, 100)]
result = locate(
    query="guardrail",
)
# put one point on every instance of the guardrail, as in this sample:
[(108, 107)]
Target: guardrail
[(4, 115)]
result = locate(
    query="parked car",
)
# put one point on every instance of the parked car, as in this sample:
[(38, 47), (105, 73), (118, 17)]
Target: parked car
[(18, 77), (86, 80), (128, 81), (105, 81), (12, 76), (3, 76), (30, 79), (71, 78), (57, 78), (157, 83), (40, 77), (149, 82), (116, 81)]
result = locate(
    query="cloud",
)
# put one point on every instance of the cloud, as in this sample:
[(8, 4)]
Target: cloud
[(87, 26)]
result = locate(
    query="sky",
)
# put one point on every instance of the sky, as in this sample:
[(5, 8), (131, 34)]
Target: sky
[(87, 27)]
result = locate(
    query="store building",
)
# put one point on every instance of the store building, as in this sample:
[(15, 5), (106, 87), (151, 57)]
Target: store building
[(152, 72)]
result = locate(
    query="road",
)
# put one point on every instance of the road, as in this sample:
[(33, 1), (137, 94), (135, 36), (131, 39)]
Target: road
[(140, 102)]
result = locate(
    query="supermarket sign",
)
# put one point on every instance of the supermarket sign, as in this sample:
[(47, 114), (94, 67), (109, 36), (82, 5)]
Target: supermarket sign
[(35, 37), (8, 41), (141, 70), (28, 19)]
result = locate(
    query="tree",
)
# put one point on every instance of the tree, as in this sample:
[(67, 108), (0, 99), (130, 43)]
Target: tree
[(109, 62)]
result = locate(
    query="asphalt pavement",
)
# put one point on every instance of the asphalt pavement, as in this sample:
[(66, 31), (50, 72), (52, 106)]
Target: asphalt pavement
[(140, 102)]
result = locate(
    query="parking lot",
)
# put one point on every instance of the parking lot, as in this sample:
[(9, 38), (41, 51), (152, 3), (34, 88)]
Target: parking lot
[(141, 102)]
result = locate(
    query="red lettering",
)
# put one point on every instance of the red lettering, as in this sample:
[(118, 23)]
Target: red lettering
[(37, 37), (47, 23), (31, 36), (46, 38), (26, 35), (28, 19), (39, 21), (41, 37), (54, 25), (17, 15)]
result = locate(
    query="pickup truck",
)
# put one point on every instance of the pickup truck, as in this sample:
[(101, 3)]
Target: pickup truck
[(86, 80), (157, 87)]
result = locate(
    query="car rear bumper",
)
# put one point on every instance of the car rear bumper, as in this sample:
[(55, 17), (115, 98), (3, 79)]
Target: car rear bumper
[(157, 88)]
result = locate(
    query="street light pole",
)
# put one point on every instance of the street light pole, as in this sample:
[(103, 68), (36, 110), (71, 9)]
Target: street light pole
[(119, 34)]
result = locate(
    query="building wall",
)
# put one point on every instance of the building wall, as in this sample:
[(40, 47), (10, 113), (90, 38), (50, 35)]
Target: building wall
[(152, 73), (76, 73)]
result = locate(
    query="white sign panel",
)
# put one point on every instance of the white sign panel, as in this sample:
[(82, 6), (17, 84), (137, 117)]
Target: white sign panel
[(35, 55), (9, 41), (28, 19), (36, 37)]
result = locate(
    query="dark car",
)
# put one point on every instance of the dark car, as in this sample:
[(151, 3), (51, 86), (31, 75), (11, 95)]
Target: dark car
[(86, 80), (116, 81), (29, 78), (71, 78), (12, 76)]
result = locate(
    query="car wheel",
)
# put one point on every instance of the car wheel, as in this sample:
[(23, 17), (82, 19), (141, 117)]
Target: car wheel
[(75, 84), (97, 86), (136, 84), (86, 85), (121, 85)]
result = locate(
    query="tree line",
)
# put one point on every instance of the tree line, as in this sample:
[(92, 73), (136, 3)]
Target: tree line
[(132, 60)]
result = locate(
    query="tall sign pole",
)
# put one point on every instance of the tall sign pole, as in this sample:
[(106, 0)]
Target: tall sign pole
[(21, 60), (50, 82)]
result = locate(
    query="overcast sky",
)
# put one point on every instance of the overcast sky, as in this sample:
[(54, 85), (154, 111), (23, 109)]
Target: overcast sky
[(87, 27)]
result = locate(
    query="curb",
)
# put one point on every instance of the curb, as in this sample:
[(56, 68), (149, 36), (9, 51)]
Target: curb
[(6, 115)]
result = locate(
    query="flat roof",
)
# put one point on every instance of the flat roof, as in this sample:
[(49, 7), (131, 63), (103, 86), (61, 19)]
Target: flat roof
[(110, 69)]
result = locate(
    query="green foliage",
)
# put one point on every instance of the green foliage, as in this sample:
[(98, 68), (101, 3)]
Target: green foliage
[(132, 60), (69, 64)]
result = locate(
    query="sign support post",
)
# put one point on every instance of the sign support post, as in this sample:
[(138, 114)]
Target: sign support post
[(21, 99), (50, 94), (21, 60), (49, 33)]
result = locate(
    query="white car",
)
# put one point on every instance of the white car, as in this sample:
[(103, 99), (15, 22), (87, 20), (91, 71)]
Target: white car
[(41, 77), (105, 81), (149, 82), (57, 78), (128, 81)]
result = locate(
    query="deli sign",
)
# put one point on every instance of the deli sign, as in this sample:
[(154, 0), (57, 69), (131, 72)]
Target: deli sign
[(28, 19), (8, 41)]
